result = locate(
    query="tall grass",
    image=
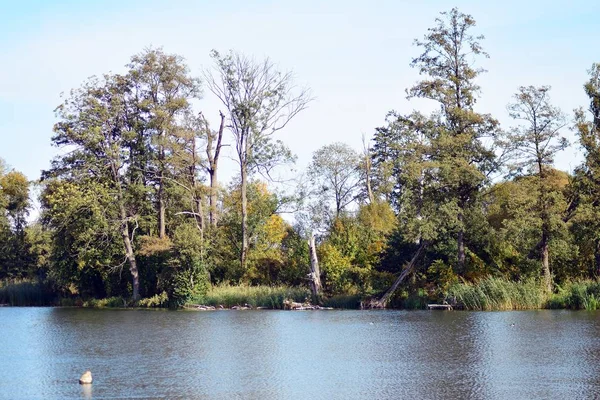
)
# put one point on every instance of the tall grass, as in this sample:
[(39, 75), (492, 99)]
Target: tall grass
[(25, 293), (256, 296), (499, 294), (578, 295)]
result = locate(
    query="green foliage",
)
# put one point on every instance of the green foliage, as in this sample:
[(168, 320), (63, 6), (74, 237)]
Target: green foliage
[(16, 258), (130, 195), (109, 302), (14, 190), (158, 300), (442, 275), (84, 242), (334, 267)]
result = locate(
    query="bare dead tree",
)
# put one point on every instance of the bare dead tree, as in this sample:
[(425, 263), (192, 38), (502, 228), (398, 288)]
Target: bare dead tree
[(214, 142), (259, 101)]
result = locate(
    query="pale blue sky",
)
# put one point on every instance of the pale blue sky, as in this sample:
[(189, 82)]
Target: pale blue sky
[(353, 54)]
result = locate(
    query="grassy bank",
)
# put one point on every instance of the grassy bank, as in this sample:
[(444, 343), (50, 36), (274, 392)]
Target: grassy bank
[(255, 296), (490, 294), (26, 293), (493, 294)]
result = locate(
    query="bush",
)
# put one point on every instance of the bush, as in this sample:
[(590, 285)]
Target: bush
[(110, 302), (158, 300)]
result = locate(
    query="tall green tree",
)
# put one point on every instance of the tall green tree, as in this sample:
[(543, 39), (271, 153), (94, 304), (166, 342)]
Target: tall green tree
[(93, 124), (14, 208), (462, 160), (259, 101), (14, 187), (160, 95), (536, 143), (586, 185)]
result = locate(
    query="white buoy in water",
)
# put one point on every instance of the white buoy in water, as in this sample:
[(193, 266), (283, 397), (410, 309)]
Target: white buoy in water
[(86, 378)]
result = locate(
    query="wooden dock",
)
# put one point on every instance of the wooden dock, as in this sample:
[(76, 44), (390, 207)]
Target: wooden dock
[(439, 307)]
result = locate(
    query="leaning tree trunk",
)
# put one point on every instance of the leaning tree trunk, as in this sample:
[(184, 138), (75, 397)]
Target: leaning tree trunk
[(382, 303), (124, 229), (315, 273)]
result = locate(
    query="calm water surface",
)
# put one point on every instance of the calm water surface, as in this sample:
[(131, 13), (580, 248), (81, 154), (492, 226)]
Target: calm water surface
[(299, 355)]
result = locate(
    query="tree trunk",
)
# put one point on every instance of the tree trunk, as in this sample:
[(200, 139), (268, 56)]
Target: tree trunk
[(212, 212), (195, 190), (199, 215), (129, 254), (243, 188), (382, 303), (597, 256), (368, 167), (545, 217), (213, 159), (124, 228), (212, 156), (161, 210), (161, 189), (370, 190), (460, 241), (315, 273), (546, 263)]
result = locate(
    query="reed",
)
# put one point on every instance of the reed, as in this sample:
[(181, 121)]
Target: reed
[(577, 295), (499, 294), (25, 293)]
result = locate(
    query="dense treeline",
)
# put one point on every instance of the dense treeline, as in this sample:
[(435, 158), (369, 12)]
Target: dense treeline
[(133, 206)]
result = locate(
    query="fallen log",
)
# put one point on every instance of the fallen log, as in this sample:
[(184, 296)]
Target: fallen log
[(292, 305)]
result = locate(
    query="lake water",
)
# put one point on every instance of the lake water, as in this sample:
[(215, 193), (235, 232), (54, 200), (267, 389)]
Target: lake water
[(299, 354)]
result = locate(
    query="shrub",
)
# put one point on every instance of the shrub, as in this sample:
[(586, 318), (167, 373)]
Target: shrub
[(110, 302), (158, 300)]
